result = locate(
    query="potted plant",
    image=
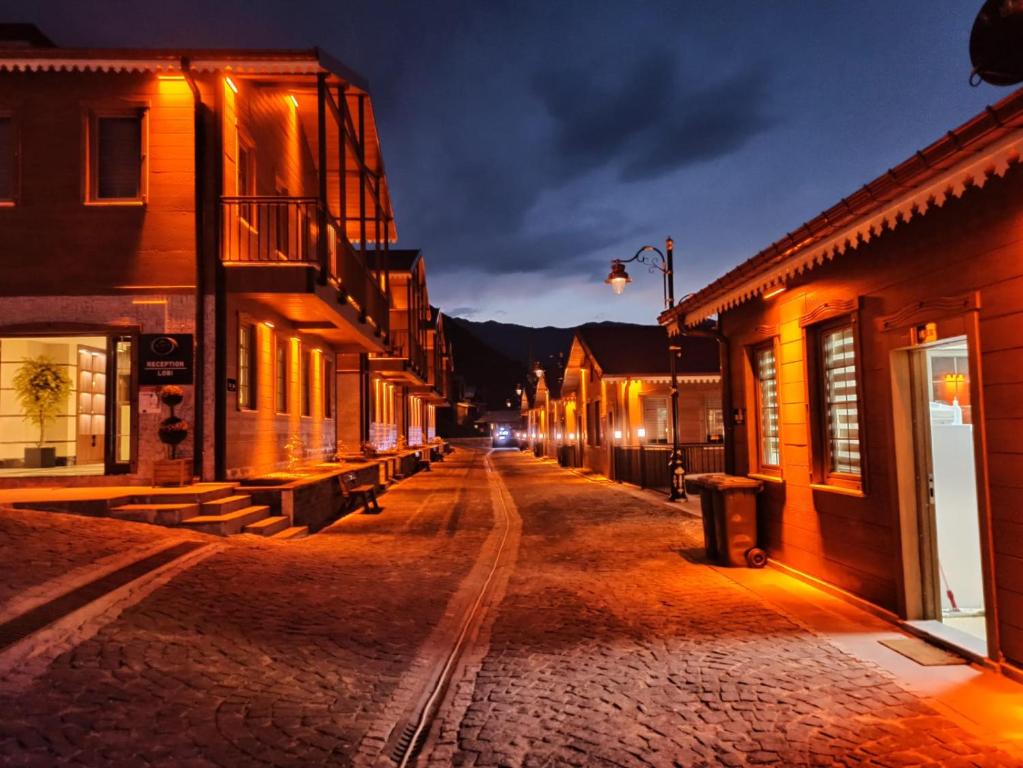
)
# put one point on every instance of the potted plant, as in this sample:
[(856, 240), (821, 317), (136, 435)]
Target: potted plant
[(42, 387), (172, 431)]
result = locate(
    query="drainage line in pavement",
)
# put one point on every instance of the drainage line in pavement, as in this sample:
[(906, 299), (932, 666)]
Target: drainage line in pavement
[(414, 734), (35, 619)]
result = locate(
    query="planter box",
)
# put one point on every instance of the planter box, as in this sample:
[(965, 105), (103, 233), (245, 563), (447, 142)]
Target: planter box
[(41, 457), (172, 472)]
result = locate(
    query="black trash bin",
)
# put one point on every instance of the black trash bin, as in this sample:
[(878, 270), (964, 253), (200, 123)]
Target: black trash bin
[(734, 515), (704, 484)]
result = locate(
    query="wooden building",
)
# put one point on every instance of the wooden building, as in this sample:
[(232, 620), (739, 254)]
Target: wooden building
[(233, 202), (610, 409), (874, 382)]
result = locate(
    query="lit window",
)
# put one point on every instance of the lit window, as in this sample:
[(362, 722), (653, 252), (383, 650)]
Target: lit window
[(281, 377), (7, 160), (839, 397), (247, 366), (117, 158), (655, 420), (767, 406)]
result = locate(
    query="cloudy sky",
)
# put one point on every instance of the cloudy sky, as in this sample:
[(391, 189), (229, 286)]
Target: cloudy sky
[(528, 143)]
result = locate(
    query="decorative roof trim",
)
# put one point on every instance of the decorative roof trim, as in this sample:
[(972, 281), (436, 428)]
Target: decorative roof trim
[(973, 171), (661, 378), (90, 65), (258, 66)]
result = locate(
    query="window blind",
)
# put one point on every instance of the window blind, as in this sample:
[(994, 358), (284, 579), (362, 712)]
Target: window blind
[(841, 408), (118, 157), (655, 419), (6, 158), (767, 390)]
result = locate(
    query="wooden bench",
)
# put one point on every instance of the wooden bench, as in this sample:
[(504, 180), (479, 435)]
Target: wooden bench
[(356, 496)]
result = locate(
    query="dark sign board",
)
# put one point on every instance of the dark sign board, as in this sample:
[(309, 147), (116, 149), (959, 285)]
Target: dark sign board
[(165, 358)]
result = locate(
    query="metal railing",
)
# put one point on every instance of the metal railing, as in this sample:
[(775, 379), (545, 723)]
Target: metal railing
[(261, 229), (405, 345), (269, 229), (647, 466)]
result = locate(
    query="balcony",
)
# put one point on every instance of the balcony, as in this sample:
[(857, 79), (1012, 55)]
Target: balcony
[(273, 249), (405, 361)]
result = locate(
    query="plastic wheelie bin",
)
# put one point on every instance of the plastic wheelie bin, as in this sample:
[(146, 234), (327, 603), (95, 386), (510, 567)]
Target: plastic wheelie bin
[(734, 515), (703, 485)]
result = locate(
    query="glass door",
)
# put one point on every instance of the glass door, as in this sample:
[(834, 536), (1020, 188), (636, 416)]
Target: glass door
[(120, 417)]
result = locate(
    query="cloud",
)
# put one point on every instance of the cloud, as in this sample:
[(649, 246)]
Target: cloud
[(466, 312), (648, 121)]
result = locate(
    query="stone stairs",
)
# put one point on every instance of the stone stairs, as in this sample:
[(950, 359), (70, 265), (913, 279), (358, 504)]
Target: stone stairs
[(221, 512)]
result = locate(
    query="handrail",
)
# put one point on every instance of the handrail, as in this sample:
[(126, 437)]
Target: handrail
[(266, 229)]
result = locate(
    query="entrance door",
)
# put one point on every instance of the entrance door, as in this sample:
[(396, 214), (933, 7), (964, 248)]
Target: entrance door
[(952, 592)]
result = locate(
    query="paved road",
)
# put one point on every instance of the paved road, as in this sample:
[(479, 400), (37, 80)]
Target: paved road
[(608, 644)]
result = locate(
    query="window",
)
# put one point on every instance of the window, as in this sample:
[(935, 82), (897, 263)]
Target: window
[(840, 433), (117, 158), (7, 159), (281, 377), (715, 424), (246, 178), (307, 381), (765, 371), (655, 420), (593, 423), (328, 386), (246, 365)]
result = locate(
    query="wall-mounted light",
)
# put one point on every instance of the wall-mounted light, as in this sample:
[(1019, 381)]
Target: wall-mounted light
[(268, 324), (641, 433), (293, 100), (774, 292), (230, 84), (618, 434)]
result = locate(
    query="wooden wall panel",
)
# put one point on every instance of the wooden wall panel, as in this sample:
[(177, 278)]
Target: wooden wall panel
[(52, 232), (974, 243)]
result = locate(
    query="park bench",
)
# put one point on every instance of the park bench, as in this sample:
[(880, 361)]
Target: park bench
[(356, 496)]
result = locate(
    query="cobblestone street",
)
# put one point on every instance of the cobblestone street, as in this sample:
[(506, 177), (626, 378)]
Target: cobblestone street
[(608, 643)]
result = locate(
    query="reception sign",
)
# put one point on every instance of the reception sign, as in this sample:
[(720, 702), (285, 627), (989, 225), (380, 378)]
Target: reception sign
[(165, 358)]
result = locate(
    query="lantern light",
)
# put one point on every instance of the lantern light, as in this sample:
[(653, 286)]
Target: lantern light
[(618, 278)]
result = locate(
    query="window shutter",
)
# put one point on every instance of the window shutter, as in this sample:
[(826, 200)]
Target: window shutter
[(6, 158), (840, 401), (118, 158)]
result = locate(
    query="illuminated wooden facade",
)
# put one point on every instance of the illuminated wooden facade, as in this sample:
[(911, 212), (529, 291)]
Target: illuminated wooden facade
[(238, 197), (866, 349), (614, 397)]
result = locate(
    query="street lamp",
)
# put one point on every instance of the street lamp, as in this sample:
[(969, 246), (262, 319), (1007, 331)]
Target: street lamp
[(618, 279)]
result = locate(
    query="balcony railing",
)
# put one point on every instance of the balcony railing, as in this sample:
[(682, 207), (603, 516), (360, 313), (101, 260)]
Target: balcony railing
[(275, 230), (405, 345)]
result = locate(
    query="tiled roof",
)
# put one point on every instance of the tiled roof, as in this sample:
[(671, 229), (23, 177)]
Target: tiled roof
[(621, 349), (985, 146)]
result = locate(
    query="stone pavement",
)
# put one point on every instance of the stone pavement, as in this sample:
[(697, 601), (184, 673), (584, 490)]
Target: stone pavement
[(615, 646), (612, 645), (269, 653)]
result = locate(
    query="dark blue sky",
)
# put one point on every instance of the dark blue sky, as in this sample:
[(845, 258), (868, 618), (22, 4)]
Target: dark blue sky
[(527, 143)]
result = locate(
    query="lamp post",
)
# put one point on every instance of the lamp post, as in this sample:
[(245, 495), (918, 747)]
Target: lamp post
[(618, 279)]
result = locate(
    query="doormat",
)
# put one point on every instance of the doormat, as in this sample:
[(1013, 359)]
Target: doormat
[(923, 653)]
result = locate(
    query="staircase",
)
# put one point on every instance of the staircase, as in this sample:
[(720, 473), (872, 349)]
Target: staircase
[(220, 512)]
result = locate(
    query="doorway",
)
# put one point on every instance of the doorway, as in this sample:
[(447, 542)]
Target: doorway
[(944, 522)]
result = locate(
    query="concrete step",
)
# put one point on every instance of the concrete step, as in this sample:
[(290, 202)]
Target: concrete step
[(195, 494), (228, 523), (226, 504), (159, 514), (295, 532), (268, 526)]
